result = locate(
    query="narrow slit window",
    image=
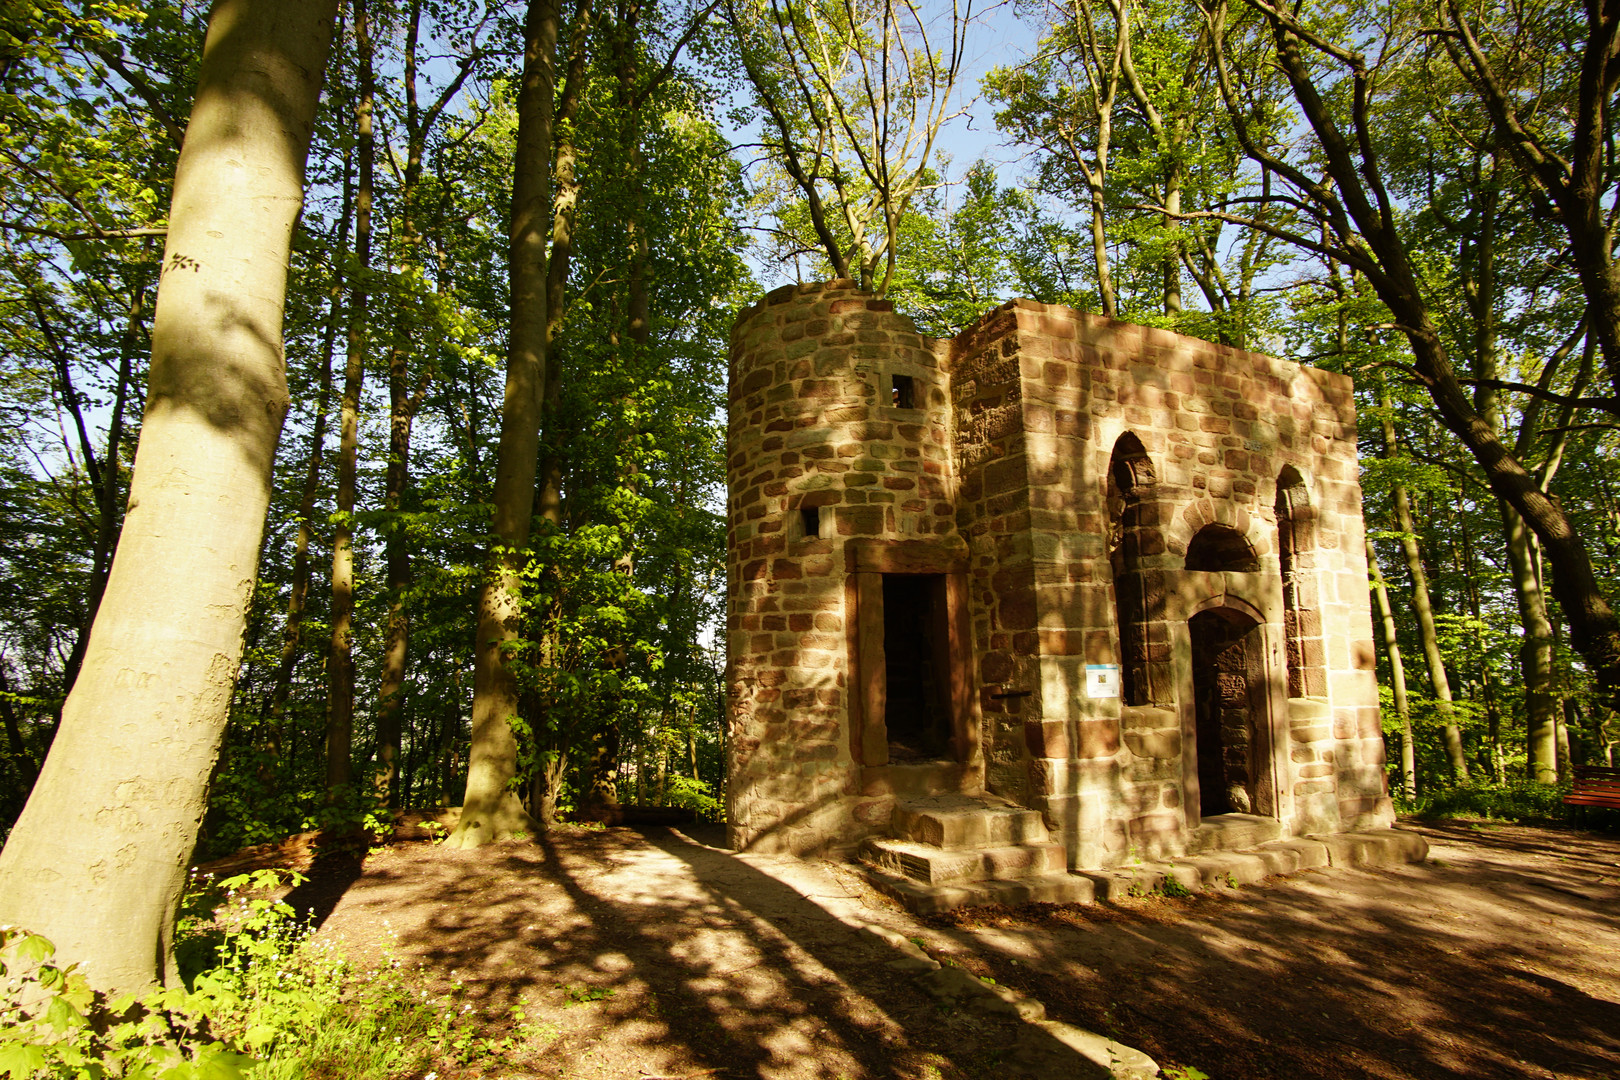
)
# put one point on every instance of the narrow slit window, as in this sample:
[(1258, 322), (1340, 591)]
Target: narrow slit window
[(904, 392), (810, 517)]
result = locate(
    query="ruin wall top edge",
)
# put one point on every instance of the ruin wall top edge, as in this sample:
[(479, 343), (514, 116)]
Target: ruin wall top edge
[(1026, 314)]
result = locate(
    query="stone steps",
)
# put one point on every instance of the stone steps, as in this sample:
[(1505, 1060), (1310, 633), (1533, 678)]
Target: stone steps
[(927, 899), (958, 850), (949, 866), (967, 821), (929, 878)]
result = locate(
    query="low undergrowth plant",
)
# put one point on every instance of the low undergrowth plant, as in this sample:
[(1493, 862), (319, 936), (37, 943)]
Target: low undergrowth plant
[(1171, 887), (1516, 800), (258, 999)]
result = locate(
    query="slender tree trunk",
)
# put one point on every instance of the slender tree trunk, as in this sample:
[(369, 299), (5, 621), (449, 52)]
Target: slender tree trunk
[(108, 519), (340, 655), (26, 769), (1397, 673), (1099, 254), (1172, 256), (403, 402), (397, 556), (553, 742), (303, 565), (1536, 660), (102, 472), (601, 790), (491, 811), (1422, 608), (1478, 259), (97, 862), (1493, 721), (1564, 759)]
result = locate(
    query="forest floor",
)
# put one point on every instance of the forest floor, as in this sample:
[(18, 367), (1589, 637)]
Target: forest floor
[(656, 954)]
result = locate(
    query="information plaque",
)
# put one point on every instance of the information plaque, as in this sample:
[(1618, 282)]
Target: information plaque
[(1102, 680)]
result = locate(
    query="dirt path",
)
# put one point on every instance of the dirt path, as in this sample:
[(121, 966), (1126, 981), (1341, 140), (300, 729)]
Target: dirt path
[(658, 955)]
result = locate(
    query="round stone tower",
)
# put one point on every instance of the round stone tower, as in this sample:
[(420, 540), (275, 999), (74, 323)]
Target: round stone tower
[(839, 437)]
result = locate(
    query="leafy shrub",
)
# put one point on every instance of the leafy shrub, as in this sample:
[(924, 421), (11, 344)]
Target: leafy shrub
[(1516, 800), (51, 1024), (1172, 887), (694, 795), (259, 1000)]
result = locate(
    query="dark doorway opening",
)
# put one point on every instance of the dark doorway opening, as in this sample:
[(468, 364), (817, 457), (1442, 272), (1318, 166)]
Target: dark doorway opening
[(1227, 681), (916, 668)]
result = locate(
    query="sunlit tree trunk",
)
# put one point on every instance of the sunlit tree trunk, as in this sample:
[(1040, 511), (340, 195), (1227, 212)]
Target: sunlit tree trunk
[(551, 745), (1422, 608), (491, 810), (1397, 673), (98, 859)]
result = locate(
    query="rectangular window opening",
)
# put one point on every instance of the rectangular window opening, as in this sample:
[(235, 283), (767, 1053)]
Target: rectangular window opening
[(904, 392), (810, 518)]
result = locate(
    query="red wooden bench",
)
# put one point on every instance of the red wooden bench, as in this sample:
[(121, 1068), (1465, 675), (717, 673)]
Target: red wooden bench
[(1595, 785)]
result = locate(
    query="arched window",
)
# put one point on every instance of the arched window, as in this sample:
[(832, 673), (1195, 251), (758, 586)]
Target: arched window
[(1134, 538)]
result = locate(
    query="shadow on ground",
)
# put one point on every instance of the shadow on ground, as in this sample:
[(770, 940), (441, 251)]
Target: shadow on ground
[(655, 953), (1498, 958), (650, 955)]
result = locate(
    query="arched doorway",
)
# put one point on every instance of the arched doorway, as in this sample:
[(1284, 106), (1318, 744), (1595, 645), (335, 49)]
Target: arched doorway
[(1231, 733)]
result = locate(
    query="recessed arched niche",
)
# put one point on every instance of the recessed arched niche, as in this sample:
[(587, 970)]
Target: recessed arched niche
[(1217, 549), (1296, 551)]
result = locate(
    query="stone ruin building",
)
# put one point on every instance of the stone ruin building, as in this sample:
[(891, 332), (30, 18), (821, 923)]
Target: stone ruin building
[(1057, 594)]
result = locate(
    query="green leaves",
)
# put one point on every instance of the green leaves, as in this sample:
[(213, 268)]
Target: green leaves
[(20, 1061), (32, 948), (60, 1014)]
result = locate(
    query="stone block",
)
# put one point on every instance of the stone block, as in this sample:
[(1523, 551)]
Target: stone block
[(1154, 744)]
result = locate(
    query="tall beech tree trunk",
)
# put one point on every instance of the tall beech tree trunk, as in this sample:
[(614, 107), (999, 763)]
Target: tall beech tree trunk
[(1477, 259), (340, 654), (491, 810), (1397, 673), (552, 754), (97, 861), (1536, 659), (601, 787)]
